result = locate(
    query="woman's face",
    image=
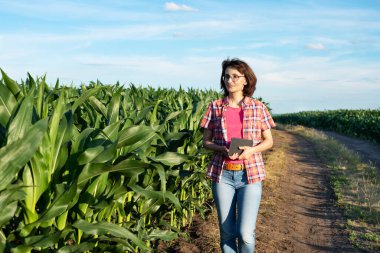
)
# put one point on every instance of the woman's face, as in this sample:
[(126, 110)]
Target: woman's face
[(234, 80)]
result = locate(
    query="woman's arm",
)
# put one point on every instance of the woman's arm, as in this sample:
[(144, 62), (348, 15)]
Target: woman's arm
[(208, 144), (266, 144)]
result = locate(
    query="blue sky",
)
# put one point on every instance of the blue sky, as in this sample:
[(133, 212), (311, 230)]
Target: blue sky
[(307, 55)]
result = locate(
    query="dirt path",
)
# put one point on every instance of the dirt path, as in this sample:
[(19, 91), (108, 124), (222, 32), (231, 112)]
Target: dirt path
[(370, 152), (303, 218)]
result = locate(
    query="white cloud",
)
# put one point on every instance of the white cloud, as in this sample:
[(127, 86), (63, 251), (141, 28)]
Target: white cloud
[(170, 6), (178, 35), (316, 46)]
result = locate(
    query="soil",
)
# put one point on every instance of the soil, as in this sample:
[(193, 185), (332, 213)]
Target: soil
[(305, 218), (370, 152), (297, 213)]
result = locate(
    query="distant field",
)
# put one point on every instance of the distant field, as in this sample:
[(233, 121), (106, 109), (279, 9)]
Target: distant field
[(364, 124)]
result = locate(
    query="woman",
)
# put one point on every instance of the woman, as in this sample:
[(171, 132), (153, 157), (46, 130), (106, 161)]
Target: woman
[(236, 179)]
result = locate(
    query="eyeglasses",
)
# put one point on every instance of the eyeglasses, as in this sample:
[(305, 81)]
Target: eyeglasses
[(234, 78)]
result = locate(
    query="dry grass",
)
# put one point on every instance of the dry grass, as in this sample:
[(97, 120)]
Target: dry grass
[(275, 167)]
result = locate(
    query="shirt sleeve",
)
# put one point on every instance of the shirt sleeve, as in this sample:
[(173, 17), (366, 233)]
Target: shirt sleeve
[(206, 121), (266, 119)]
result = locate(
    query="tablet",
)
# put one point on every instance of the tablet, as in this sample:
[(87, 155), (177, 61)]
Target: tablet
[(238, 142)]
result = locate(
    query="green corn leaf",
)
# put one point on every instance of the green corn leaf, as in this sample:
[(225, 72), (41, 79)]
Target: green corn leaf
[(98, 106), (56, 84), (31, 84), (98, 185), (171, 158), (54, 130), (22, 121), (157, 195), (7, 213), (176, 136), (150, 206), (15, 155), (106, 228), (46, 105), (142, 115), (40, 97), (113, 108), (112, 131), (173, 199), (59, 137), (22, 249), (135, 137), (107, 155), (43, 241), (83, 247), (121, 246), (12, 85), (153, 117), (8, 200), (86, 95), (11, 194), (173, 115), (103, 152), (8, 103), (127, 167), (90, 154), (161, 172), (164, 235), (60, 204), (61, 220), (39, 179), (42, 102), (3, 241), (80, 141), (30, 200)]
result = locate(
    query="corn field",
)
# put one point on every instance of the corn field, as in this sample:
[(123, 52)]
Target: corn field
[(364, 124), (98, 168)]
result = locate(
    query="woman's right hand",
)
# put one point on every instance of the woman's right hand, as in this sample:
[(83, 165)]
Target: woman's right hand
[(209, 144), (224, 150)]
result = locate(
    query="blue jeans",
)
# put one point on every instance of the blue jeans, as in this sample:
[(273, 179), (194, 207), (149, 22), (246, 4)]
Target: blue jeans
[(237, 204)]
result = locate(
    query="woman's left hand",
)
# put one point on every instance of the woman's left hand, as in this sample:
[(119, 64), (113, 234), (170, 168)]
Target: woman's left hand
[(247, 152)]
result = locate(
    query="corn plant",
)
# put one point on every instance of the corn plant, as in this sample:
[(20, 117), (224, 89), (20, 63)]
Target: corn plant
[(98, 167)]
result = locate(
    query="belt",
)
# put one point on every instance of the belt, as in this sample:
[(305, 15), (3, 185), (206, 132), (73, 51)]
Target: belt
[(234, 166)]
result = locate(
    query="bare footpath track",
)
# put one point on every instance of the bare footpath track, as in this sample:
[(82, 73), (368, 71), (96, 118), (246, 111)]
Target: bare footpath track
[(304, 218), (370, 152)]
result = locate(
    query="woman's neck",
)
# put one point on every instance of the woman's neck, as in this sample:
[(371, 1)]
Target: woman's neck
[(235, 99)]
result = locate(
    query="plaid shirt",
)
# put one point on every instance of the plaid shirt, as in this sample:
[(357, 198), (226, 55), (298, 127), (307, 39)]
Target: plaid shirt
[(256, 119)]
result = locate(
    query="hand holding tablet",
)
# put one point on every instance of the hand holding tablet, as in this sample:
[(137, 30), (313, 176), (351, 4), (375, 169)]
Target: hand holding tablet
[(236, 143)]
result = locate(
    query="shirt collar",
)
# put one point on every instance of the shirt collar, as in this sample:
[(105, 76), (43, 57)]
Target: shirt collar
[(246, 101)]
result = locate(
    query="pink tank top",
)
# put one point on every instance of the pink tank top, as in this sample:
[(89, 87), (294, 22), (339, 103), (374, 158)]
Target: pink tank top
[(234, 121)]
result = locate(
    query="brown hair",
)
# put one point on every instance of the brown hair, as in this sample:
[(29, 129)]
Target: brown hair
[(243, 68)]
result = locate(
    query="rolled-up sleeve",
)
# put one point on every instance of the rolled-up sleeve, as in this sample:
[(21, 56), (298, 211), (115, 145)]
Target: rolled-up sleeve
[(266, 119), (206, 121)]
